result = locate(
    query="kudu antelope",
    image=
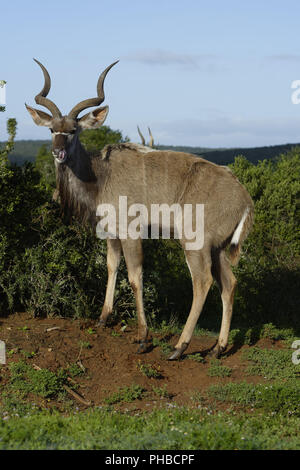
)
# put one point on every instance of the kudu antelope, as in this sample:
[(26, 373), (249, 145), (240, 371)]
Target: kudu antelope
[(151, 141), (85, 181)]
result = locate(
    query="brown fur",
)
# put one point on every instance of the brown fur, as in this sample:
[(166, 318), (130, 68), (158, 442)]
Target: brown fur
[(155, 178), (147, 177)]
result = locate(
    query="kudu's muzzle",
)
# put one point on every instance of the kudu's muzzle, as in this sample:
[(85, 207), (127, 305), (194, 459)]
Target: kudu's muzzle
[(60, 155), (60, 148)]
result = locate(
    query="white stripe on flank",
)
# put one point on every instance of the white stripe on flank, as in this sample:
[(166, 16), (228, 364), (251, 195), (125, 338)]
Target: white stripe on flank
[(237, 233)]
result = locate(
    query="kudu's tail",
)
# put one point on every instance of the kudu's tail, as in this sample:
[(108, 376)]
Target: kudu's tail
[(239, 235)]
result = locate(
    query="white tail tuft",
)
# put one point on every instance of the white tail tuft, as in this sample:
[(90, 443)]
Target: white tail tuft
[(237, 233)]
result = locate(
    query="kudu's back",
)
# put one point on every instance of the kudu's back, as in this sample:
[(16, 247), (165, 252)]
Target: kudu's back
[(167, 177)]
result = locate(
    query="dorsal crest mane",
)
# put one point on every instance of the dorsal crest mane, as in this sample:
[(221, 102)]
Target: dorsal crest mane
[(109, 149)]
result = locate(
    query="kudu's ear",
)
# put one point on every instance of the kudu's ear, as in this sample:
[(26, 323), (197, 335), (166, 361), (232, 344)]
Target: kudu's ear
[(40, 117), (94, 119)]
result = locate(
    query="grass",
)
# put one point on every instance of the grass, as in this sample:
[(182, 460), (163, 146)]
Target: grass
[(164, 346), (24, 328), (280, 391), (198, 397), (125, 394), (24, 380), (197, 357), (162, 429), (148, 370), (27, 354), (161, 392), (265, 415), (90, 331), (74, 370), (281, 397), (216, 369), (271, 363)]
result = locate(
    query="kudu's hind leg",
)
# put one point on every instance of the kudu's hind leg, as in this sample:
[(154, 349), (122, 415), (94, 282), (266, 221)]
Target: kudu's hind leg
[(227, 283), (114, 250), (133, 253), (199, 264)]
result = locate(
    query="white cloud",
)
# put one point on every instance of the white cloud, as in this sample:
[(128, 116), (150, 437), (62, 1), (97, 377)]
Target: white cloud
[(162, 58)]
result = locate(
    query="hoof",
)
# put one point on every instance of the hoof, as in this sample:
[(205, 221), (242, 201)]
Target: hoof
[(101, 323), (178, 352), (216, 352), (144, 346)]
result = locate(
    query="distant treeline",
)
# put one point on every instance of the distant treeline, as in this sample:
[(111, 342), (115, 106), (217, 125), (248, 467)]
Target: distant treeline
[(253, 155), (225, 156), (26, 150)]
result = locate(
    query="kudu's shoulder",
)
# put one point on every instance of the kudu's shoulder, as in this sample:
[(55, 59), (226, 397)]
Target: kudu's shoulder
[(125, 148)]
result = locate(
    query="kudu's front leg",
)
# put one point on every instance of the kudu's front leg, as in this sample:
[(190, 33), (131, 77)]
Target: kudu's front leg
[(114, 250), (133, 253)]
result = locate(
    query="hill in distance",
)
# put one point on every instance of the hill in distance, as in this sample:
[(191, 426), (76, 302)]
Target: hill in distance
[(26, 150), (224, 156)]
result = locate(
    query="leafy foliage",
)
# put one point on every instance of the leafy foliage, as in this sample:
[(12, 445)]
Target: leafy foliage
[(11, 130), (45, 166), (51, 268), (95, 139), (268, 272)]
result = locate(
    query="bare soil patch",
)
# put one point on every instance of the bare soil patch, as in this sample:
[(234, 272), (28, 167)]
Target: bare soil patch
[(110, 360)]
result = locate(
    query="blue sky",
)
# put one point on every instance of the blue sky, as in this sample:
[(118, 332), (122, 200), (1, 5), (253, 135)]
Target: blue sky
[(214, 74)]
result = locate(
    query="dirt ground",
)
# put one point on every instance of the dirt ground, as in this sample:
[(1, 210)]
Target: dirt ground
[(111, 360)]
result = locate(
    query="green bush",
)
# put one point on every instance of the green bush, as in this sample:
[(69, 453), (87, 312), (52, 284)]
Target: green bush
[(45, 166), (21, 199), (95, 139), (268, 272), (51, 268)]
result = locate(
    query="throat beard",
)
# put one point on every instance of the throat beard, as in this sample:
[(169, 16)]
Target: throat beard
[(75, 197)]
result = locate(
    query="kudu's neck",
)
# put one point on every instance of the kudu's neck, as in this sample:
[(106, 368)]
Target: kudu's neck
[(80, 163), (78, 184)]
